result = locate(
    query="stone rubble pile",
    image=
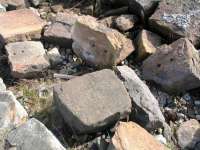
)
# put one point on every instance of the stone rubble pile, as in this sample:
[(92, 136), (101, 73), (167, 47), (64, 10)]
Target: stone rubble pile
[(110, 74)]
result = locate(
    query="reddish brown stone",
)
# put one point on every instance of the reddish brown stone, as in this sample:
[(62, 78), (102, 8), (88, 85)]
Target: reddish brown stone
[(130, 136), (19, 25)]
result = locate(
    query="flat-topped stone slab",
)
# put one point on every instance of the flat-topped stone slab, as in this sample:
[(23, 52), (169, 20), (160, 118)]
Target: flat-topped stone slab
[(27, 59), (19, 25)]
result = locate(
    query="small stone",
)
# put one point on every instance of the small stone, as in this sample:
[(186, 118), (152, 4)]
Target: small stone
[(92, 102), (147, 42), (125, 22), (19, 25), (57, 8), (99, 45), (175, 67), (160, 138), (54, 57), (108, 21), (188, 134), (146, 110), (27, 59), (35, 132), (131, 136), (35, 2)]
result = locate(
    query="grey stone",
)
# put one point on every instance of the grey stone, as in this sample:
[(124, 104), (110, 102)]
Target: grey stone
[(54, 57), (59, 32), (33, 135), (188, 134), (27, 59), (12, 112), (99, 45), (177, 18), (36, 2), (125, 22), (93, 101), (175, 67), (146, 110)]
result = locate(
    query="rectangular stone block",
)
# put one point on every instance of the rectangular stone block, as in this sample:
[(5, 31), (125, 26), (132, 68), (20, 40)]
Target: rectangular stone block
[(19, 25)]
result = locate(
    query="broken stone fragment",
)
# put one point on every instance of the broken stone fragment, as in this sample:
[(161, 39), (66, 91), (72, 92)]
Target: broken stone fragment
[(99, 45), (33, 135), (12, 113), (146, 109), (27, 59), (59, 33), (92, 102), (146, 44), (130, 136), (19, 25), (175, 19), (188, 134), (108, 21), (174, 67), (125, 22)]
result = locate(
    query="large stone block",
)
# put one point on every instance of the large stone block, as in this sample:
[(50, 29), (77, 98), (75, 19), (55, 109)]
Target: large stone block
[(99, 45), (177, 18), (27, 59), (176, 67), (19, 25), (93, 101), (146, 109)]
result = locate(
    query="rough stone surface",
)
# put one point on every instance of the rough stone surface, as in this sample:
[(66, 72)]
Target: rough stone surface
[(99, 45), (60, 31), (125, 22), (175, 67), (177, 18), (18, 25), (146, 44), (12, 113), (33, 135), (188, 134), (14, 4), (55, 57), (60, 34), (146, 110), (130, 136), (108, 21), (93, 101), (27, 59)]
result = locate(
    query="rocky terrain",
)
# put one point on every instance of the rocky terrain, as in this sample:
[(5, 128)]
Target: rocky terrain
[(99, 75)]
